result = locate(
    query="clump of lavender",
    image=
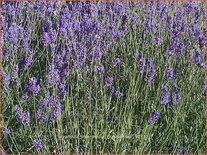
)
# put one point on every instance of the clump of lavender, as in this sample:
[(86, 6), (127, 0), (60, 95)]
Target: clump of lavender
[(62, 90), (14, 72), (56, 109), (43, 102), (151, 71), (6, 80), (49, 34), (96, 53), (198, 60), (42, 116), (91, 33), (165, 96), (154, 117), (53, 77), (169, 74), (37, 144), (142, 64), (49, 107), (27, 60), (109, 81), (23, 117), (32, 86), (111, 89), (15, 33)]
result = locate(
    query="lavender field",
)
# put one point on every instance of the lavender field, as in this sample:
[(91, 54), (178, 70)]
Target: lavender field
[(103, 77)]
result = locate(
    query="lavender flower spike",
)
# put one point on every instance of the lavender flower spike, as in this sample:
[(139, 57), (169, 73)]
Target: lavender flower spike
[(37, 143), (109, 81), (32, 86), (165, 96), (154, 116), (15, 70), (169, 74)]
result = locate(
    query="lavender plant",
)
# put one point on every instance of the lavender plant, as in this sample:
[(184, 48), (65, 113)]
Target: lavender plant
[(103, 77)]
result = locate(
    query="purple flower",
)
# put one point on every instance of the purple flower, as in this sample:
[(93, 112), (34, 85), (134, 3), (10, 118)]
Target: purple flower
[(170, 74), (81, 57), (14, 72), (63, 31), (151, 71), (37, 143), (142, 64), (17, 110), (165, 96), (23, 117), (15, 32), (198, 60), (134, 21), (111, 89), (47, 26), (53, 77), (28, 33), (61, 90), (6, 80), (202, 40), (32, 85), (109, 81), (27, 61), (154, 117), (51, 100), (41, 115), (99, 69), (56, 110), (45, 38), (174, 87), (43, 102), (52, 35), (48, 37), (25, 45), (96, 54)]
